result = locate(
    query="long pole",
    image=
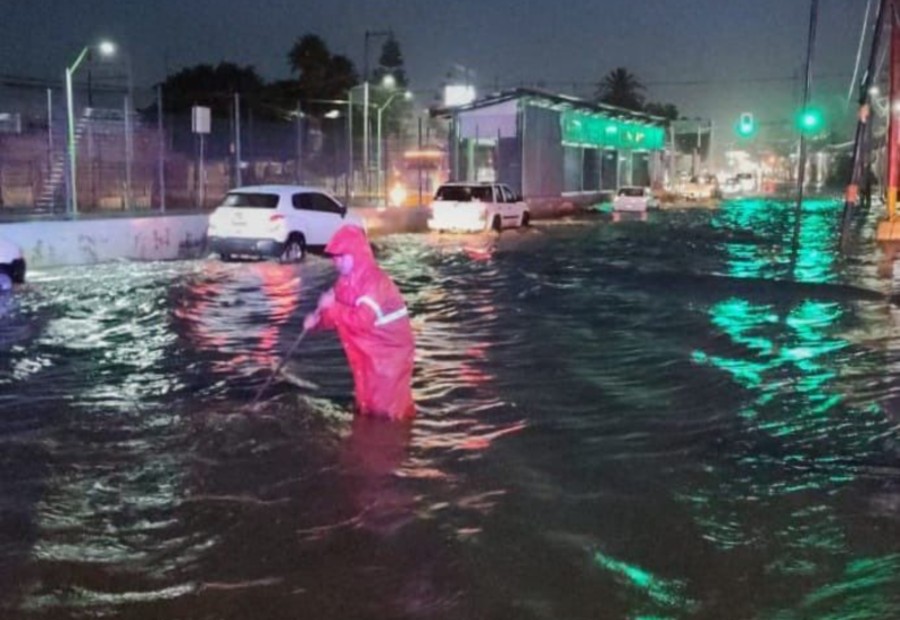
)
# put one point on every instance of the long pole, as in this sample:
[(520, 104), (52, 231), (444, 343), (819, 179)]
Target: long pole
[(162, 148), (70, 108), (893, 140), (420, 161), (366, 138), (807, 89), (859, 51), (129, 132), (49, 128), (378, 178), (237, 140), (863, 127), (299, 174), (129, 152), (347, 190), (73, 191)]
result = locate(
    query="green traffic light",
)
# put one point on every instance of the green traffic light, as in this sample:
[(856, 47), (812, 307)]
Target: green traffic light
[(810, 120), (746, 127)]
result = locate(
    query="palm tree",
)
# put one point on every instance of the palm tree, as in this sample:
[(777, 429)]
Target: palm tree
[(621, 88)]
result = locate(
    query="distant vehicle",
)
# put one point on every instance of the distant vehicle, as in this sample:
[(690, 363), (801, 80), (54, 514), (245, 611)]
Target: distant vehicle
[(276, 221), (746, 182), (730, 186), (12, 261), (472, 207), (704, 187), (635, 200)]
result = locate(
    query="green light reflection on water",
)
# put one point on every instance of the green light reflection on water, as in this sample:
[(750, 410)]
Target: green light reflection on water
[(667, 594), (789, 363)]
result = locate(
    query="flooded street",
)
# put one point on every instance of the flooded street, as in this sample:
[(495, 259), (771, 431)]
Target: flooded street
[(630, 420)]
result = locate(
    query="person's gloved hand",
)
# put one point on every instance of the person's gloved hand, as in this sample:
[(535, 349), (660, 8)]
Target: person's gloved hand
[(311, 320), (326, 300)]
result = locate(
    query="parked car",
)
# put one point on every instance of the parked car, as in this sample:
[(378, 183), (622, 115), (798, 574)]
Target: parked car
[(471, 207), (12, 261), (276, 221), (635, 199)]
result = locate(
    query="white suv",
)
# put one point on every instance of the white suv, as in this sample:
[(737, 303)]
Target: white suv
[(635, 200), (12, 261), (472, 207), (279, 221)]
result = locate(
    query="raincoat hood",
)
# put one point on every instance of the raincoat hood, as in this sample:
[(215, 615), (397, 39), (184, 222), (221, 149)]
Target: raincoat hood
[(351, 240)]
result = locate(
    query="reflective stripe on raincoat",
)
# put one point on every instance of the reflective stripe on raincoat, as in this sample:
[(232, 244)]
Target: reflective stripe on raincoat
[(373, 324)]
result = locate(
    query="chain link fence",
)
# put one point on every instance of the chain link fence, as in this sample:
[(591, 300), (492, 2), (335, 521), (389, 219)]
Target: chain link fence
[(131, 157)]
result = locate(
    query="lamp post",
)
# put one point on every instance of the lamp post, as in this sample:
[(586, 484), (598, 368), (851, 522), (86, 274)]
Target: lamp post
[(106, 49), (382, 186), (336, 114)]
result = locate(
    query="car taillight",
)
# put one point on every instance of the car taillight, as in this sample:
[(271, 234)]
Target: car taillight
[(276, 217)]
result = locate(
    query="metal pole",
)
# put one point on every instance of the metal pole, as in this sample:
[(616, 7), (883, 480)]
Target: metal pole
[(807, 88), (349, 148), (129, 130), (202, 181), (128, 151), (859, 51), (299, 171), (366, 138), (366, 57), (49, 129), (162, 148), (378, 179), (863, 126), (420, 161), (73, 192), (237, 140)]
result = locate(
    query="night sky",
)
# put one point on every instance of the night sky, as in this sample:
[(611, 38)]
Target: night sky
[(743, 53)]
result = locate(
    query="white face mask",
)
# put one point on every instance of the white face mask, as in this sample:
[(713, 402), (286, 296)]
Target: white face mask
[(343, 263)]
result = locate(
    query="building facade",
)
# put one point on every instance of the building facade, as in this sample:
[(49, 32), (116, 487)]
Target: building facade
[(548, 146)]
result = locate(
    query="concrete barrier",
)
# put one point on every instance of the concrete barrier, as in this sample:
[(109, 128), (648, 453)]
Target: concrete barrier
[(87, 241), (48, 243)]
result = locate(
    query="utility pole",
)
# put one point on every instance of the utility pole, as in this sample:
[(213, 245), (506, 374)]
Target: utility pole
[(807, 89), (162, 148), (237, 140), (370, 34)]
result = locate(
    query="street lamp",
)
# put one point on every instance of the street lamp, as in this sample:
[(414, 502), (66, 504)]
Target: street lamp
[(106, 48), (382, 186)]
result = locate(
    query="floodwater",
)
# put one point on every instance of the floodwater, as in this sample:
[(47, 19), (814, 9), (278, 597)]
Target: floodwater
[(616, 420)]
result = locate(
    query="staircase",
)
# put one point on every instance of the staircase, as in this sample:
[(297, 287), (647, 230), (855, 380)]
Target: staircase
[(99, 121)]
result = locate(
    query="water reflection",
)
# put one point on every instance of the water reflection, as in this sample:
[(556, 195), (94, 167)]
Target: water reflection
[(615, 421), (803, 439)]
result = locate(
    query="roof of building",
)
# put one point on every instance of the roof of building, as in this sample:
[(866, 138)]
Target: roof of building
[(554, 99)]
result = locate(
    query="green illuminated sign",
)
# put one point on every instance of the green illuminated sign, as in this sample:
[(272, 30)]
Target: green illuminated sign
[(580, 128)]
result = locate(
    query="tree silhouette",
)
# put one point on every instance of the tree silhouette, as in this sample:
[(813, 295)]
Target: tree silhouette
[(668, 111), (322, 75), (212, 86), (621, 88), (391, 63)]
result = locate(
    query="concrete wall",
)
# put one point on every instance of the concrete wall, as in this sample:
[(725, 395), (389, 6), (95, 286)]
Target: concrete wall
[(97, 240), (80, 242)]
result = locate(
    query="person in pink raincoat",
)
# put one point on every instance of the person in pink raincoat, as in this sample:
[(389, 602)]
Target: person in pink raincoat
[(370, 316)]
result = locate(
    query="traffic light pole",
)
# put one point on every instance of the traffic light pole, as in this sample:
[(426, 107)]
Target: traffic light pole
[(860, 164), (801, 163)]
